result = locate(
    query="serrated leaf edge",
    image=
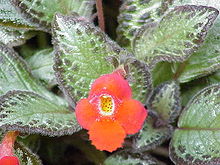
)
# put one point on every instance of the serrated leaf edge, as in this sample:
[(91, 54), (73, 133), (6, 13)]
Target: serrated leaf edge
[(157, 59), (177, 111), (32, 130), (21, 8), (75, 19)]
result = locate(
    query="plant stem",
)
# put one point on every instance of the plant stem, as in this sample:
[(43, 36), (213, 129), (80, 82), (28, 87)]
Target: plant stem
[(101, 19)]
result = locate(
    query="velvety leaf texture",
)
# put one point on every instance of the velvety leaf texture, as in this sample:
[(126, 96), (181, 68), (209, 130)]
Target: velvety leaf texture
[(10, 17), (125, 158), (150, 137), (14, 71), (176, 36), (14, 28), (139, 78), (83, 7), (196, 140), (212, 3), (41, 65), (30, 113), (41, 12), (206, 59), (134, 14), (81, 54), (166, 101), (25, 156), (14, 37)]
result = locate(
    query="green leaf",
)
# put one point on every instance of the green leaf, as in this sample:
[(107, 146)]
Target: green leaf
[(196, 140), (9, 16), (25, 156), (14, 37), (82, 7), (206, 60), (134, 14), (214, 78), (188, 90), (14, 75), (41, 65), (41, 12), (177, 35), (81, 55), (162, 72), (126, 158), (165, 101), (139, 78), (14, 29), (30, 113), (211, 3), (150, 137)]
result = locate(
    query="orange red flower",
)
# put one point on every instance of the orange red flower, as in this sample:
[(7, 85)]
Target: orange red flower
[(9, 160), (7, 149), (109, 112)]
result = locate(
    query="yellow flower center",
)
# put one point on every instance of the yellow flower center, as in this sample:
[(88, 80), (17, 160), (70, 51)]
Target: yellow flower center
[(106, 105)]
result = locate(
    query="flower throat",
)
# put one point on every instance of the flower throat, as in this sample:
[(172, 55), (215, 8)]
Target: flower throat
[(106, 105)]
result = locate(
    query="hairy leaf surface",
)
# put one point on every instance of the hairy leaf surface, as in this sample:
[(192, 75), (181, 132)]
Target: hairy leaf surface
[(14, 75), (165, 101), (9, 16), (14, 37), (212, 3), (30, 113), (195, 141), (206, 60), (126, 158), (133, 15), (177, 35), (81, 54), (41, 12), (150, 137), (25, 156), (41, 65), (139, 78)]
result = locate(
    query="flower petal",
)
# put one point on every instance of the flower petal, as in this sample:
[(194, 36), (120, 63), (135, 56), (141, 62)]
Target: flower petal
[(85, 113), (114, 84), (107, 135), (7, 144), (131, 115), (9, 160)]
